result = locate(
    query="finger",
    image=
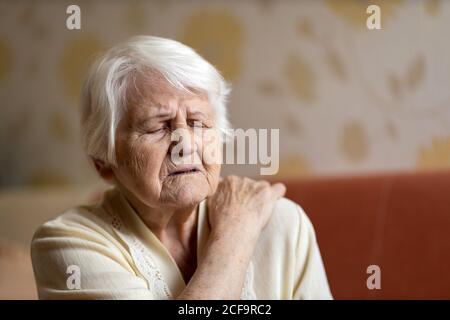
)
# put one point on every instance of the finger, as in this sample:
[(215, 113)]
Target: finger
[(278, 190), (263, 183), (260, 185)]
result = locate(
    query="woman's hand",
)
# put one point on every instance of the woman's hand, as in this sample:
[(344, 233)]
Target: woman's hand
[(243, 206), (238, 211)]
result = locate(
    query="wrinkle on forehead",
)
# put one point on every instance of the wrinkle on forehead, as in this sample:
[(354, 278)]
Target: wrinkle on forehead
[(151, 94), (152, 86)]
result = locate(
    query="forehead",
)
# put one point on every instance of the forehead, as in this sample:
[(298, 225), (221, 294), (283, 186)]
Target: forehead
[(154, 95)]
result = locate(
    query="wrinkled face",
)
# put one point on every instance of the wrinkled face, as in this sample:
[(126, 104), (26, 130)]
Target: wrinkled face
[(164, 144)]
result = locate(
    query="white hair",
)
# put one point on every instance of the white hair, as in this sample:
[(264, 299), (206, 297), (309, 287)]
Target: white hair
[(106, 89)]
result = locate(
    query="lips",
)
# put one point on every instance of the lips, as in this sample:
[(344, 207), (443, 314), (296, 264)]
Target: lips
[(184, 170)]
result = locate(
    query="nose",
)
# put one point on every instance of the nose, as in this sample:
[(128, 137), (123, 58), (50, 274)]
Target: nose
[(183, 142)]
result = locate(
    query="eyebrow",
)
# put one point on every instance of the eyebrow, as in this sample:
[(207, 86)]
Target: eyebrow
[(197, 112), (166, 113), (156, 116), (160, 114), (161, 111)]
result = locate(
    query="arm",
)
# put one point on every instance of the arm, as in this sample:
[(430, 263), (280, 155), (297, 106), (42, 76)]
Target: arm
[(220, 273), (239, 211), (311, 279)]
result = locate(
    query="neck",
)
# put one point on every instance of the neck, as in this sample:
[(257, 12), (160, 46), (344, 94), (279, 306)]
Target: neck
[(168, 223)]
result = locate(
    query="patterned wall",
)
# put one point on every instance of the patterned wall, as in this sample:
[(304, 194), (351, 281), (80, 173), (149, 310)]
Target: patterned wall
[(346, 99)]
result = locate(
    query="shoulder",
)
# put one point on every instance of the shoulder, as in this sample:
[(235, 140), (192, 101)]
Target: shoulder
[(289, 228), (80, 238), (79, 223), (289, 217)]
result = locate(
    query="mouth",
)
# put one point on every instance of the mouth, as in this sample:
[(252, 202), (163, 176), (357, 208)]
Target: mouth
[(184, 171)]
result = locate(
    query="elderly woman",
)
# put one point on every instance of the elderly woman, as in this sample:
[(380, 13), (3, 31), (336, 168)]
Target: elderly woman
[(171, 228)]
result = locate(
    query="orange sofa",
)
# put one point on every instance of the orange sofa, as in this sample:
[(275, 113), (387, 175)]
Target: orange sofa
[(400, 222)]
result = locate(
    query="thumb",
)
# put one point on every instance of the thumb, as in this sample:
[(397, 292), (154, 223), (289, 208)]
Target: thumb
[(278, 190)]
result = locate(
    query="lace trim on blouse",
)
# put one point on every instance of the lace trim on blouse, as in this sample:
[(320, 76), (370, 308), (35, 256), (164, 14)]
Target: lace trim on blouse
[(147, 266)]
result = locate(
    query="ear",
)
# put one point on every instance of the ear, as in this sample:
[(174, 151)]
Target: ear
[(104, 170)]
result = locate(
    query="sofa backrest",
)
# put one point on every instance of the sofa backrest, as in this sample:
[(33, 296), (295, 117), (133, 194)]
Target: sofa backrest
[(399, 222)]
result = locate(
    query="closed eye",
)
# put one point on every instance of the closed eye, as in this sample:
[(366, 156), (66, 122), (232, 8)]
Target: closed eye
[(196, 124), (163, 128)]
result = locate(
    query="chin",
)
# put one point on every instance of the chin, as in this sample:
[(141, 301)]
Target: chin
[(187, 192), (189, 200), (187, 197)]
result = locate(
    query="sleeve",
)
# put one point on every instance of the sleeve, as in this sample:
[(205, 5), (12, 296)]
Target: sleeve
[(310, 279), (73, 261)]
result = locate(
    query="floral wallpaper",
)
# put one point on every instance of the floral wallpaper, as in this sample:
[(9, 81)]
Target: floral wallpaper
[(346, 99)]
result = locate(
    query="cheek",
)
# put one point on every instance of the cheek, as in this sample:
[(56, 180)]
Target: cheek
[(211, 153), (143, 160), (212, 175), (211, 149)]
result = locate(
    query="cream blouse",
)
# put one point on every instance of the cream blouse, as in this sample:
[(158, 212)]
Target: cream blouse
[(115, 256)]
